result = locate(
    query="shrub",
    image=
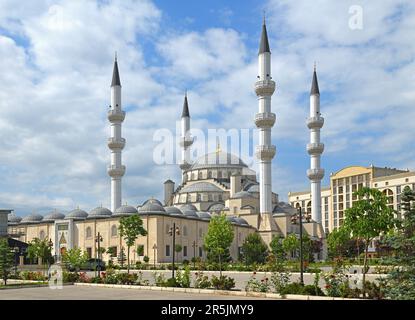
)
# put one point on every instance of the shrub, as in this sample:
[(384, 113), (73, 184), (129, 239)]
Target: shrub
[(96, 279), (70, 277), (280, 280), (255, 285), (312, 290), (223, 282), (185, 262), (337, 284), (146, 259), (183, 278), (126, 278), (201, 281), (170, 267), (30, 275), (84, 278), (159, 279), (292, 288)]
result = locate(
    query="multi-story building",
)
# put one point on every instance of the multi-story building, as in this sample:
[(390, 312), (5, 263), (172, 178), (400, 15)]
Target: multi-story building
[(337, 197)]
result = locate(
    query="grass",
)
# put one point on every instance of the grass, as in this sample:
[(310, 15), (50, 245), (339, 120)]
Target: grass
[(22, 284)]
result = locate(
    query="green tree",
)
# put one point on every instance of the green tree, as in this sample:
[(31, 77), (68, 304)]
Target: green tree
[(277, 249), (337, 241), (291, 244), (178, 248), (254, 249), (6, 260), (368, 218), (219, 237), (130, 228), (39, 249), (75, 258)]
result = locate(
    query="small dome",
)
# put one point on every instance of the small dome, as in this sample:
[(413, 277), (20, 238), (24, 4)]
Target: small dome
[(13, 219), (152, 206), (252, 188), (242, 195), (204, 215), (187, 207), (76, 214), (190, 213), (241, 221), (100, 212), (32, 218), (232, 219), (217, 207), (125, 211), (174, 211), (54, 215)]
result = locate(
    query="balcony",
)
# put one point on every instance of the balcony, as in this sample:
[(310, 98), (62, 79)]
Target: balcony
[(114, 171), (264, 87), (186, 141), (265, 119), (315, 174), (265, 152), (315, 148), (116, 115), (114, 143), (315, 122)]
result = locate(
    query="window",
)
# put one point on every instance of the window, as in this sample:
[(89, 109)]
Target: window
[(114, 231), (219, 174), (200, 252), (198, 197), (167, 251), (209, 174), (42, 235), (184, 251), (184, 231), (89, 252), (386, 183), (200, 175), (376, 185), (88, 233), (113, 251), (200, 233), (167, 228)]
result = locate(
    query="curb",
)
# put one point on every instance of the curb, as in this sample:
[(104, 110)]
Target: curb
[(214, 292)]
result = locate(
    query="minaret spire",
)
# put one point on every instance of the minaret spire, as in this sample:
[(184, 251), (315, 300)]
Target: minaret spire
[(185, 140), (116, 143), (265, 152), (315, 122), (185, 112)]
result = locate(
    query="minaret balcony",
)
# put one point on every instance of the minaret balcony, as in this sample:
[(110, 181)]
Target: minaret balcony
[(115, 171), (114, 143), (265, 152), (186, 141), (116, 115), (315, 148), (265, 119), (315, 174), (315, 122), (185, 166), (264, 87)]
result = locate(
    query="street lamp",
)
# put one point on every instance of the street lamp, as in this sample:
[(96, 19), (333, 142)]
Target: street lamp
[(98, 239), (154, 249), (294, 221), (172, 232), (194, 245)]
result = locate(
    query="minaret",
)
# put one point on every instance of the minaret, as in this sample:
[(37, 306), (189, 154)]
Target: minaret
[(185, 140), (315, 122), (265, 152), (116, 143)]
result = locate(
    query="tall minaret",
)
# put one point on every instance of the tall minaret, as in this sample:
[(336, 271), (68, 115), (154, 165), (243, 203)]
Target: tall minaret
[(185, 140), (264, 120), (315, 122), (116, 143)]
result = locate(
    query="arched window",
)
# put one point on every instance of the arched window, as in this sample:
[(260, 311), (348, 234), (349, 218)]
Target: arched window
[(41, 235), (198, 197), (209, 174), (193, 176), (200, 175), (210, 197), (219, 174), (309, 207), (114, 231), (185, 231), (88, 233)]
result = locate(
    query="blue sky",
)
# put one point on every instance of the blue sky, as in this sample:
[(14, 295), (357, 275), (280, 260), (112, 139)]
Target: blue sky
[(57, 63)]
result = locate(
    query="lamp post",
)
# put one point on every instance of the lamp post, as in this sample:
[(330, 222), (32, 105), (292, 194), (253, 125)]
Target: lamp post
[(154, 249), (50, 245), (172, 232), (194, 245), (294, 221), (16, 255), (98, 240)]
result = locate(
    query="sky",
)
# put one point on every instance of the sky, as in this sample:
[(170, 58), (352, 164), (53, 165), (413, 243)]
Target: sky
[(56, 67)]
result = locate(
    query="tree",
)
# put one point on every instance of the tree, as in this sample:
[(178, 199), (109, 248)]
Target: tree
[(178, 248), (337, 242), (368, 218), (130, 228), (291, 244), (277, 249), (219, 237), (40, 249), (254, 249), (75, 258), (6, 260)]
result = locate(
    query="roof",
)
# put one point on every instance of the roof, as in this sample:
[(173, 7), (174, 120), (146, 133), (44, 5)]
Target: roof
[(173, 211), (314, 85), (218, 159), (125, 211), (201, 187), (32, 218), (100, 212), (77, 214), (115, 75), (185, 112), (242, 195), (152, 206), (54, 215), (264, 44), (13, 219)]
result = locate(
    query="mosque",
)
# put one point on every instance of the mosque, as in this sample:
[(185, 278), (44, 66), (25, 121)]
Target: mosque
[(216, 183)]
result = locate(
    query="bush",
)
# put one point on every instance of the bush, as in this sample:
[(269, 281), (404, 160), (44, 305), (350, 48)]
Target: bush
[(223, 282), (185, 262), (96, 279), (70, 277), (146, 259), (84, 278), (201, 281), (293, 288), (183, 278), (280, 280), (263, 285), (312, 290), (170, 267), (30, 275), (125, 278), (159, 279)]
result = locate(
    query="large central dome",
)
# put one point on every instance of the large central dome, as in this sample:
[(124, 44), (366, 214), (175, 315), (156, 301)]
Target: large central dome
[(218, 159)]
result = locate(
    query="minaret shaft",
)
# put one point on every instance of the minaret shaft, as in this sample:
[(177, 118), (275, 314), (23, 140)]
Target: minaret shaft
[(185, 140), (315, 148), (116, 143)]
